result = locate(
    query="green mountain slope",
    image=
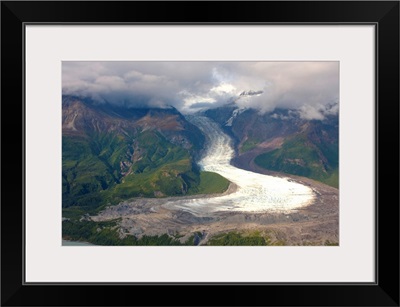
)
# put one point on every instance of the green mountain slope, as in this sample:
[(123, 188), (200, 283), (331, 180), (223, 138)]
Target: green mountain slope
[(109, 155), (284, 142), (299, 156)]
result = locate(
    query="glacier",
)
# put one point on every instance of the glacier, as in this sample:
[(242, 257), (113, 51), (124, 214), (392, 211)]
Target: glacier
[(255, 192)]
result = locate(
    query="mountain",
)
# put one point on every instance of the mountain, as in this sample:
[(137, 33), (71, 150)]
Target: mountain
[(111, 153), (282, 141)]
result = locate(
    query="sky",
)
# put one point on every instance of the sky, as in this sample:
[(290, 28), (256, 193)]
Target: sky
[(311, 88)]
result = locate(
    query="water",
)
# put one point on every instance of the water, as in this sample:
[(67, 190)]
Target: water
[(75, 243), (255, 192)]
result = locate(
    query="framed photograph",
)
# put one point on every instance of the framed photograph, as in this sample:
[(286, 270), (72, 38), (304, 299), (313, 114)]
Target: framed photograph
[(239, 146)]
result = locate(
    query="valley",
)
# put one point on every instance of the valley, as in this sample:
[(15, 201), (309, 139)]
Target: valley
[(283, 142), (112, 154), (282, 210), (200, 153)]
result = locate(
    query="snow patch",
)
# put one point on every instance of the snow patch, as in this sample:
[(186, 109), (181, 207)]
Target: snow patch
[(235, 113)]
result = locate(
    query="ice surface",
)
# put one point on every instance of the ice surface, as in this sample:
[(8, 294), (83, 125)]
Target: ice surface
[(255, 192)]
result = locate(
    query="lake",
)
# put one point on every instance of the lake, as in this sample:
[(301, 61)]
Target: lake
[(75, 243)]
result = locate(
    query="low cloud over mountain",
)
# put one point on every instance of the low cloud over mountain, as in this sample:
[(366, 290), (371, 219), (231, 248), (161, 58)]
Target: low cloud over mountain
[(312, 88)]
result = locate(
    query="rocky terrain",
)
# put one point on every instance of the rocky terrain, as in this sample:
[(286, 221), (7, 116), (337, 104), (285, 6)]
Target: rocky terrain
[(316, 224), (139, 170)]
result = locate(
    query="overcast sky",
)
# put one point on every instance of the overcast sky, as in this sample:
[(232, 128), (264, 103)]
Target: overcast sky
[(310, 87)]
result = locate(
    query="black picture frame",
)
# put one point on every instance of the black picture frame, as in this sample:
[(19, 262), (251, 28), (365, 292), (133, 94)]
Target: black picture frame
[(383, 14)]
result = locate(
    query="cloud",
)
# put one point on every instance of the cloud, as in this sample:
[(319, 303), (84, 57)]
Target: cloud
[(311, 112), (312, 88), (318, 111)]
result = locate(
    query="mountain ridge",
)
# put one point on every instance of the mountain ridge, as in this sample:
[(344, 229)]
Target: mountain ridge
[(282, 141), (111, 153)]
